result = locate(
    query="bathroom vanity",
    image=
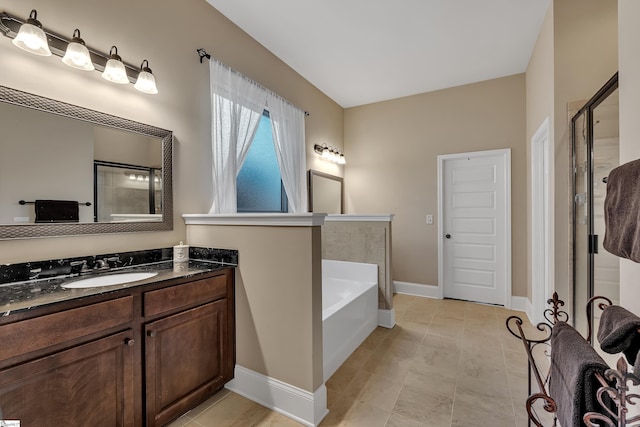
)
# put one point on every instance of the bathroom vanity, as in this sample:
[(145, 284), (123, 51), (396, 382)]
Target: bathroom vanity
[(127, 355)]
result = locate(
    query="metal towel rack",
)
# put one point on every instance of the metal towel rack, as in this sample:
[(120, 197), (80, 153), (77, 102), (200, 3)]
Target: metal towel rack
[(22, 202)]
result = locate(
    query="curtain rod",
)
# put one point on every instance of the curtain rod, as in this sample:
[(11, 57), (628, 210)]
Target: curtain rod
[(203, 54)]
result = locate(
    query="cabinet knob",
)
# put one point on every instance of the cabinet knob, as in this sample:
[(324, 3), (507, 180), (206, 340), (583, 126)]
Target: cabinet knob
[(151, 334), (129, 342)]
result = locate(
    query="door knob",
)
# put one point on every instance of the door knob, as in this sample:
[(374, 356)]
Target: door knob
[(129, 342), (448, 236), (151, 334)]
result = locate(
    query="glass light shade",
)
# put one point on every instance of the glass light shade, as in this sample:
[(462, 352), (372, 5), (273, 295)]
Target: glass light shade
[(77, 56), (32, 39), (342, 160), (146, 83), (115, 72), (326, 154)]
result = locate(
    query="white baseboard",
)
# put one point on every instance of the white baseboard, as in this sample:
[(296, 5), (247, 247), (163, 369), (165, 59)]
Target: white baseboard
[(387, 318), (415, 289), (431, 291), (522, 304), (300, 405)]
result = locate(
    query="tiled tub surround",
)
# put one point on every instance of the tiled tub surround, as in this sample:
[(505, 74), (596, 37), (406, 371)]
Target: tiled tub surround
[(27, 285)]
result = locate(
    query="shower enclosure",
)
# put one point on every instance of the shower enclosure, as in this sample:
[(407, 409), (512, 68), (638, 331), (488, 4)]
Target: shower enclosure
[(594, 132)]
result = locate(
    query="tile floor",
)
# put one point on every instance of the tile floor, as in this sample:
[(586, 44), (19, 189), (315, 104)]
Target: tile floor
[(446, 363)]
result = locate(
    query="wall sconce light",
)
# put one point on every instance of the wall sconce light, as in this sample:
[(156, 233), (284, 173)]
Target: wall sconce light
[(146, 82), (330, 153), (30, 36), (77, 55)]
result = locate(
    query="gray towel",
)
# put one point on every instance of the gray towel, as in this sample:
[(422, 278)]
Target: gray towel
[(56, 211), (622, 211), (572, 383), (618, 332)]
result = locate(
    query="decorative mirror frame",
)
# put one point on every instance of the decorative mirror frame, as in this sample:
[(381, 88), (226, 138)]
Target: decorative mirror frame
[(28, 231), (313, 173)]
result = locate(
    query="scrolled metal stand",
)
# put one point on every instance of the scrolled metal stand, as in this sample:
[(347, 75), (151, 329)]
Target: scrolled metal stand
[(621, 397), (553, 315), (622, 379)]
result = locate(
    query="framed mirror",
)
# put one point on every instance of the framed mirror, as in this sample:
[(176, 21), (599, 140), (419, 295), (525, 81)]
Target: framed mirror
[(325, 193), (49, 151)]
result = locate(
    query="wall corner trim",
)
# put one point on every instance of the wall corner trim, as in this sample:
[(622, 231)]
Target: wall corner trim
[(387, 318), (259, 219), (523, 304), (300, 405)]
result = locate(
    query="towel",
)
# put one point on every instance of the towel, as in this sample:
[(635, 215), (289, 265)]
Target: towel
[(56, 211), (622, 211), (618, 332), (572, 383)]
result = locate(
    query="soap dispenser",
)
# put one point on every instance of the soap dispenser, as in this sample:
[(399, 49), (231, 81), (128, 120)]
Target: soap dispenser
[(180, 257)]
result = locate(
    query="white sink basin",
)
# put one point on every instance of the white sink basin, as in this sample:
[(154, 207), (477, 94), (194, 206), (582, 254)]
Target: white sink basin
[(110, 280)]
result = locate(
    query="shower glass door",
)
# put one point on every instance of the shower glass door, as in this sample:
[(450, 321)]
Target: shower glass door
[(606, 266), (594, 132), (581, 231)]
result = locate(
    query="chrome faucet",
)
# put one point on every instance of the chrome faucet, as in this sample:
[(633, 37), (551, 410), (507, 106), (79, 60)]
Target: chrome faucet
[(103, 264), (99, 265)]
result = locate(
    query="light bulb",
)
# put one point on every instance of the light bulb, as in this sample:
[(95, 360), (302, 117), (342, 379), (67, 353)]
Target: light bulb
[(31, 37), (77, 55), (114, 71), (146, 83)]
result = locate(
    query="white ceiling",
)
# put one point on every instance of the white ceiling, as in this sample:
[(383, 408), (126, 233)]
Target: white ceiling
[(363, 51)]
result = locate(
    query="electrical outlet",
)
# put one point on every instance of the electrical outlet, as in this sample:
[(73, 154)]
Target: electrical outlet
[(429, 219)]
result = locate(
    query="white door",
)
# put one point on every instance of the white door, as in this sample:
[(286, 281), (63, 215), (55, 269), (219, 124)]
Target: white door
[(476, 226)]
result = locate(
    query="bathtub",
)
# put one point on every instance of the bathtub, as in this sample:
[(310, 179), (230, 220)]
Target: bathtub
[(349, 309)]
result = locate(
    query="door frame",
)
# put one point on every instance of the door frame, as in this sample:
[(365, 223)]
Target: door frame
[(506, 154), (542, 223)]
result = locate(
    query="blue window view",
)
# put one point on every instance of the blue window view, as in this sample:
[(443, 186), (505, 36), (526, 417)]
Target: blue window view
[(259, 183)]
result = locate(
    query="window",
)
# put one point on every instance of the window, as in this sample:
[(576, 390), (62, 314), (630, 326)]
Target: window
[(259, 183)]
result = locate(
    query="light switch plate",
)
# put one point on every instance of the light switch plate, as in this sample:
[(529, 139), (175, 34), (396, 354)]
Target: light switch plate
[(429, 219)]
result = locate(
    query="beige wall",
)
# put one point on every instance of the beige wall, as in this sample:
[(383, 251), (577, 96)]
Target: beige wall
[(392, 148), (167, 34), (629, 79), (540, 106), (278, 298), (585, 57), (51, 161)]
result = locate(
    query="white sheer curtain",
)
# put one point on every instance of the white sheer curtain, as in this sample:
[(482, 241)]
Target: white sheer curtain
[(237, 104), (287, 124)]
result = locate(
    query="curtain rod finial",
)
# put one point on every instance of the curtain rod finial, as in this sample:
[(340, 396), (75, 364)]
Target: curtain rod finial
[(203, 54)]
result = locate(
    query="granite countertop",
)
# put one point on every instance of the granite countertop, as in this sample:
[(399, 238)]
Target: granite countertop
[(30, 294), (27, 294)]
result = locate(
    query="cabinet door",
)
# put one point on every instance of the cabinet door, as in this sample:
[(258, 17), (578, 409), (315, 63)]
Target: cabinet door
[(87, 385), (185, 360)]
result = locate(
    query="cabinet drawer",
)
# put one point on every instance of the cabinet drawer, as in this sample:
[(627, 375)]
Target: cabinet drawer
[(189, 294), (44, 331)]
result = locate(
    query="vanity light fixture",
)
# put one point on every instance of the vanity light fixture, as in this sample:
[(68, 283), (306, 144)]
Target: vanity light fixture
[(330, 153), (31, 36), (114, 71), (146, 83), (77, 55)]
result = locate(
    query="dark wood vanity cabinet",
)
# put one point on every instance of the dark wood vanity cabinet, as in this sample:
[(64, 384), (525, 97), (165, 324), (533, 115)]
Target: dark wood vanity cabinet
[(189, 355), (87, 385), (155, 350)]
